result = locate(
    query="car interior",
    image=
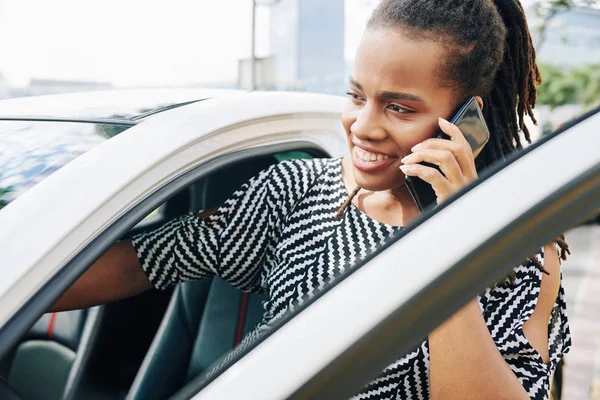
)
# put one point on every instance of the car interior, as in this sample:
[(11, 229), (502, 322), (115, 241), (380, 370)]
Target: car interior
[(148, 346)]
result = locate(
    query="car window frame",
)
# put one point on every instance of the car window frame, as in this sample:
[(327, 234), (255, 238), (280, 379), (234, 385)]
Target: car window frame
[(35, 306)]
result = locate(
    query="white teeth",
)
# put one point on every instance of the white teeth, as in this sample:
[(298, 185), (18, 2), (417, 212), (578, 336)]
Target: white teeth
[(368, 156)]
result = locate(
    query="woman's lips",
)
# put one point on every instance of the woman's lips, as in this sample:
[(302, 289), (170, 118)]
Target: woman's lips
[(370, 166)]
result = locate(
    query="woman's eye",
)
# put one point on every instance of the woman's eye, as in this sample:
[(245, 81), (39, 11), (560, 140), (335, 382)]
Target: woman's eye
[(396, 108), (354, 96)]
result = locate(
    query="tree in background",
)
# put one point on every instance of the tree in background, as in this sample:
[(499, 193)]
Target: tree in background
[(569, 86), (587, 80)]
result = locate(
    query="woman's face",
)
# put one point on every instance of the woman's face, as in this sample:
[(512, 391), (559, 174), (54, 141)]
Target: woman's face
[(394, 103)]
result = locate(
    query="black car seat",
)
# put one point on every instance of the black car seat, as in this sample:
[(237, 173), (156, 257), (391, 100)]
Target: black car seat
[(49, 361), (7, 392), (205, 319)]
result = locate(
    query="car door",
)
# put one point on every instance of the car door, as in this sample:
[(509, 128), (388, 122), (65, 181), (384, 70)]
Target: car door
[(52, 233), (375, 314)]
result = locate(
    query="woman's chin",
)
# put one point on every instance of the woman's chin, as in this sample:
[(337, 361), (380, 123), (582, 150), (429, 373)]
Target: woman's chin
[(377, 183)]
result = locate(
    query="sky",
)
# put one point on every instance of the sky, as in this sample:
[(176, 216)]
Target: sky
[(126, 42), (139, 42)]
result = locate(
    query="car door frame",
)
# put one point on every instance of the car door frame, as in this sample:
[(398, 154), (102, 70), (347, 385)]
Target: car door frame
[(43, 298)]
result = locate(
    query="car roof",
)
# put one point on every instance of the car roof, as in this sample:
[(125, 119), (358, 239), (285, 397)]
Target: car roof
[(120, 105)]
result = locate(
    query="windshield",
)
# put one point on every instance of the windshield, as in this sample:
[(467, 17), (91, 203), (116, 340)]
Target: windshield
[(32, 150)]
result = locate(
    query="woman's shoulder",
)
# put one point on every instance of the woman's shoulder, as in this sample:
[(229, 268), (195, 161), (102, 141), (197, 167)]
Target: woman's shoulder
[(297, 171), (290, 180)]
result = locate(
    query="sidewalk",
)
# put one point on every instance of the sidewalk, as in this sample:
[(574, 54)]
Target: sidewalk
[(581, 279)]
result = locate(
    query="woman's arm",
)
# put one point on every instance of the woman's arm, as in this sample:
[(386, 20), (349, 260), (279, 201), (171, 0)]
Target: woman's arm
[(465, 362), (117, 274), (194, 246)]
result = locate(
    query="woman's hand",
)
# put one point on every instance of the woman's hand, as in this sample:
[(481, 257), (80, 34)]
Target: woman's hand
[(454, 157)]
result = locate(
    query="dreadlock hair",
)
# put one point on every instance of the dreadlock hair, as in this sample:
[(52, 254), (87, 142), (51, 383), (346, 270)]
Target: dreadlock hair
[(489, 54)]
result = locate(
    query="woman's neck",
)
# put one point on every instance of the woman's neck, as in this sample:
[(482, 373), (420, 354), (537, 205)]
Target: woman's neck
[(393, 207)]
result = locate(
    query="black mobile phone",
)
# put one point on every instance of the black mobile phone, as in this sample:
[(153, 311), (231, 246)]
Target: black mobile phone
[(469, 120)]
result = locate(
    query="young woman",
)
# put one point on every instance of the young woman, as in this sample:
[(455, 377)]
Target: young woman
[(295, 226)]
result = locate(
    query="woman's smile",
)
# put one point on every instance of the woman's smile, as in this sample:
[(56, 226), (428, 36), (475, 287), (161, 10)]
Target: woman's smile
[(369, 160)]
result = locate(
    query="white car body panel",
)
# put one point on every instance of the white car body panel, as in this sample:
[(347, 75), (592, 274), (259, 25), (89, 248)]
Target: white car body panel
[(49, 224)]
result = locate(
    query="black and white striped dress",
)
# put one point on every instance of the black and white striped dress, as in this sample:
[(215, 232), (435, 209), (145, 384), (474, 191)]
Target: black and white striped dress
[(277, 234)]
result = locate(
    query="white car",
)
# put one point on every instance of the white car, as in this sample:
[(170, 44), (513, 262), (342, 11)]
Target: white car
[(191, 157)]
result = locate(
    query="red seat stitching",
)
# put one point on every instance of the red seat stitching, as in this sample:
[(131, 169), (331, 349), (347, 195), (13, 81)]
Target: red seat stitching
[(51, 325)]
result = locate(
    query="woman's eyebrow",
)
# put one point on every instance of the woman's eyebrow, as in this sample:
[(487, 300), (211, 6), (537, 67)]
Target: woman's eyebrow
[(400, 96), (354, 83), (389, 95)]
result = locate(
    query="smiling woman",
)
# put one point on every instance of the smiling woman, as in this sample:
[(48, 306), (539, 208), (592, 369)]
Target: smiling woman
[(280, 234), (418, 62)]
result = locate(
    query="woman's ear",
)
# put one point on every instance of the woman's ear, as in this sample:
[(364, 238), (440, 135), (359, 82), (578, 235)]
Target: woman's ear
[(480, 101)]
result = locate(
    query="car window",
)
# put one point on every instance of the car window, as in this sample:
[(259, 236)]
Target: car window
[(32, 150)]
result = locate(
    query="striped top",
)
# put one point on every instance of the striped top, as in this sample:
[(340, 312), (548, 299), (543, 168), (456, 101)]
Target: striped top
[(277, 234)]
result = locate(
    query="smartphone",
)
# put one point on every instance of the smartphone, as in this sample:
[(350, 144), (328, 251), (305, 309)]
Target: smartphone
[(469, 120)]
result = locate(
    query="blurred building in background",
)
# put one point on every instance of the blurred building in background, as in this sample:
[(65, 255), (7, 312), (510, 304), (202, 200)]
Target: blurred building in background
[(53, 86), (263, 69), (571, 39), (38, 87), (307, 45)]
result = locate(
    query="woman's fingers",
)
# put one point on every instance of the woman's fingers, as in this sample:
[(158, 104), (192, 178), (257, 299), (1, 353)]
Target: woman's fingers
[(442, 158), (441, 186), (453, 156), (451, 130), (457, 145)]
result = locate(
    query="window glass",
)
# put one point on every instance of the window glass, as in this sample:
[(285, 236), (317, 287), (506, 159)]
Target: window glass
[(32, 150)]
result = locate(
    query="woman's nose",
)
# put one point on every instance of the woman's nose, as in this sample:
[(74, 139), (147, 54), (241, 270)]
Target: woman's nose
[(367, 126)]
